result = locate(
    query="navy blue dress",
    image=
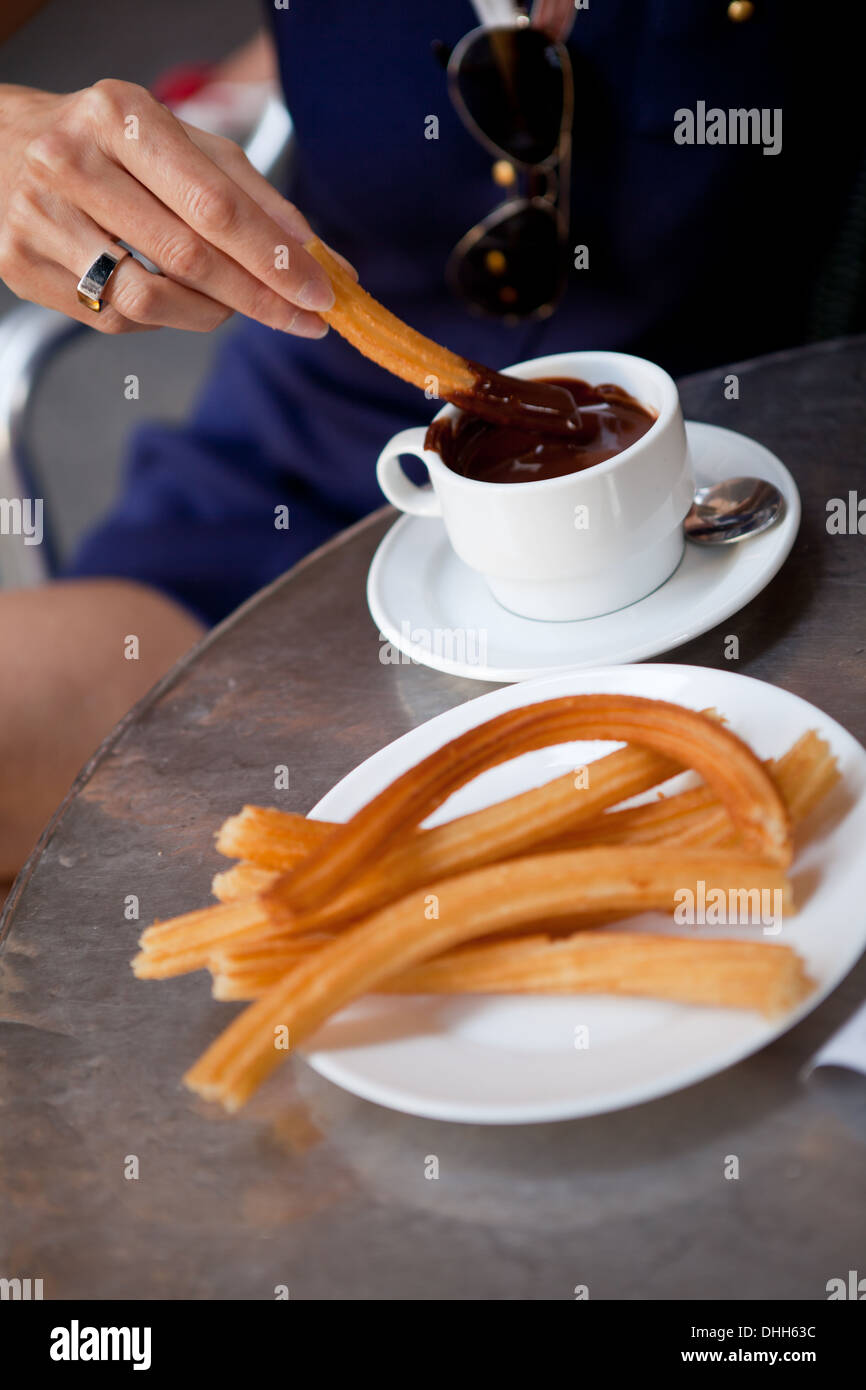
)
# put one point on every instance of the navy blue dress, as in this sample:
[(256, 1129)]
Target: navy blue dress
[(697, 255)]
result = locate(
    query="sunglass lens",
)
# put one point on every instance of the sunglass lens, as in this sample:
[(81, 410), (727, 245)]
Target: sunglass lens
[(511, 83), (514, 267)]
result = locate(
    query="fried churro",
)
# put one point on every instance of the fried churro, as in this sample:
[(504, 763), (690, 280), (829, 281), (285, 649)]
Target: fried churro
[(688, 738), (386, 340), (721, 973), (500, 831), (246, 969), (185, 943), (552, 818), (716, 973), (804, 776), (471, 905), (281, 839), (241, 881), (271, 839)]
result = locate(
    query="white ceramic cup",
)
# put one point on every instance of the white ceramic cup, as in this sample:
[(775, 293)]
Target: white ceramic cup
[(579, 545)]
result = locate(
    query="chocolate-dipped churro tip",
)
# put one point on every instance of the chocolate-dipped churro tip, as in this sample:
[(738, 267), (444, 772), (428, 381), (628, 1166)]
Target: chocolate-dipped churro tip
[(378, 334)]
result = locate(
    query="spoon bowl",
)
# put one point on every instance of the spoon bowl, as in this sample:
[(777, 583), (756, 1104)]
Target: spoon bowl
[(732, 511)]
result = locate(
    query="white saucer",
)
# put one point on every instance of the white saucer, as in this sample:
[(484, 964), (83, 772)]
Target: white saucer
[(495, 1059), (431, 607)]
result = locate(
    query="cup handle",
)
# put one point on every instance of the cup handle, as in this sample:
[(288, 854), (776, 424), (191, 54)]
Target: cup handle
[(400, 490)]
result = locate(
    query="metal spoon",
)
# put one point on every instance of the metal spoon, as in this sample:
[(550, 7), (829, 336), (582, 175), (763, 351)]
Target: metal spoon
[(732, 511)]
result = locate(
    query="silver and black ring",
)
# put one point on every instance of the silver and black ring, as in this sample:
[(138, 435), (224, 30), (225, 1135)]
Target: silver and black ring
[(91, 286)]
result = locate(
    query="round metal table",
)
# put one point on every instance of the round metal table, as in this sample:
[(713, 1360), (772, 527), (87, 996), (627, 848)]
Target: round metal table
[(325, 1193)]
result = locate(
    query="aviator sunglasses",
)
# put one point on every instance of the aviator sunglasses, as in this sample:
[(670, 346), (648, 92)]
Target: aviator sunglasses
[(512, 88)]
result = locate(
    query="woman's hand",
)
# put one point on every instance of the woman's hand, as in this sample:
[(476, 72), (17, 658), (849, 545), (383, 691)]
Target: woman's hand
[(109, 163)]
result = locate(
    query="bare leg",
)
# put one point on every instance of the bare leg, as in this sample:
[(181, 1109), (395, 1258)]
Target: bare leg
[(68, 673)]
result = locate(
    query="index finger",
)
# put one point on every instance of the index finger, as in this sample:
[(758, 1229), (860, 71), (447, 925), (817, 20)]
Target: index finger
[(233, 160), (166, 161)]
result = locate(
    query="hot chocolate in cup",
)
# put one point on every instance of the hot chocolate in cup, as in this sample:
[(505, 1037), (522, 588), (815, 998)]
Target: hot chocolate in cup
[(579, 544)]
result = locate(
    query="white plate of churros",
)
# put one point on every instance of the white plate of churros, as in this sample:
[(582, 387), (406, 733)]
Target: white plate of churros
[(562, 898)]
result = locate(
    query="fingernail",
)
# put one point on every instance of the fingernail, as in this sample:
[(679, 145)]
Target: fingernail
[(316, 294), (315, 328)]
